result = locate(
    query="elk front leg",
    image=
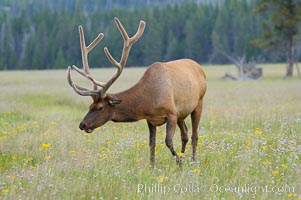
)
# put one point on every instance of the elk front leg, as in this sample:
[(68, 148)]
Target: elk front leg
[(152, 142), (184, 135), (170, 131)]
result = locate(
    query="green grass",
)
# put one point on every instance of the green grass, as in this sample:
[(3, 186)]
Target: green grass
[(249, 142)]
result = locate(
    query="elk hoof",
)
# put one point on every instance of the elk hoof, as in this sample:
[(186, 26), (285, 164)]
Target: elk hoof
[(179, 160)]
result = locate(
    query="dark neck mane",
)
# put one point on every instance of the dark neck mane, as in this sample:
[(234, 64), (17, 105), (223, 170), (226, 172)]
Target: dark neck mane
[(130, 108)]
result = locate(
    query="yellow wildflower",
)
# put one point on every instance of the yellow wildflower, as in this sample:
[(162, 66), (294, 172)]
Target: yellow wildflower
[(284, 166), (196, 171), (275, 173), (46, 145), (265, 163), (35, 123), (292, 195), (73, 153), (249, 143), (258, 131), (161, 179), (5, 191), (29, 159)]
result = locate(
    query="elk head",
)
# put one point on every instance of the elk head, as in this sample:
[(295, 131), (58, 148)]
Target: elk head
[(101, 109)]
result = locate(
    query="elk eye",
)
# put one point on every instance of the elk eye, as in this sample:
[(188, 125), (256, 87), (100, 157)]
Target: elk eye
[(100, 109)]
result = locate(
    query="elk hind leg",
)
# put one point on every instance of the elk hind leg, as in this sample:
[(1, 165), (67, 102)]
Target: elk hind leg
[(195, 120)]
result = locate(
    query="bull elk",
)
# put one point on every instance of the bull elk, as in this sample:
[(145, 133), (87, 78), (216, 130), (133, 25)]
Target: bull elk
[(167, 93)]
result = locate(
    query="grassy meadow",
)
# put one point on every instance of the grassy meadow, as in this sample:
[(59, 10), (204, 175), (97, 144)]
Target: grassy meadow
[(249, 142)]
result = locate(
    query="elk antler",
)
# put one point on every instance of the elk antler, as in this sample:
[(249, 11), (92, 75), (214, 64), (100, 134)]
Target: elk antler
[(86, 71), (128, 42), (127, 45)]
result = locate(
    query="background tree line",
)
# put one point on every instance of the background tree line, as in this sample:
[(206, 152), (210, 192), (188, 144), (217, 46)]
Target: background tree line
[(44, 35)]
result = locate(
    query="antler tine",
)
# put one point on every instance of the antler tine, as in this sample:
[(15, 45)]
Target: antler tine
[(86, 71), (85, 50), (122, 30), (81, 90), (128, 42), (139, 32)]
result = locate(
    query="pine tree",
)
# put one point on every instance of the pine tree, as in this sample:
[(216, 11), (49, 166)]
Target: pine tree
[(60, 61), (282, 28), (153, 44)]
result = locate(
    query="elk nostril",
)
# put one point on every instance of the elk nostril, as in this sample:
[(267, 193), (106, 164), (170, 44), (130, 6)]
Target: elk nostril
[(82, 126)]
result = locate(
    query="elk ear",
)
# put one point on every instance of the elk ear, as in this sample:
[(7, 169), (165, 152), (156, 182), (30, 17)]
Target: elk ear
[(114, 101)]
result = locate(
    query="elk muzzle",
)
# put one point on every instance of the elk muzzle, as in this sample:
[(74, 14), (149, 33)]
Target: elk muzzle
[(84, 127)]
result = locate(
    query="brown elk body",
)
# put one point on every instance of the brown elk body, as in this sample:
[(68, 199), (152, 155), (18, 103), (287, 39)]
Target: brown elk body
[(166, 93)]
